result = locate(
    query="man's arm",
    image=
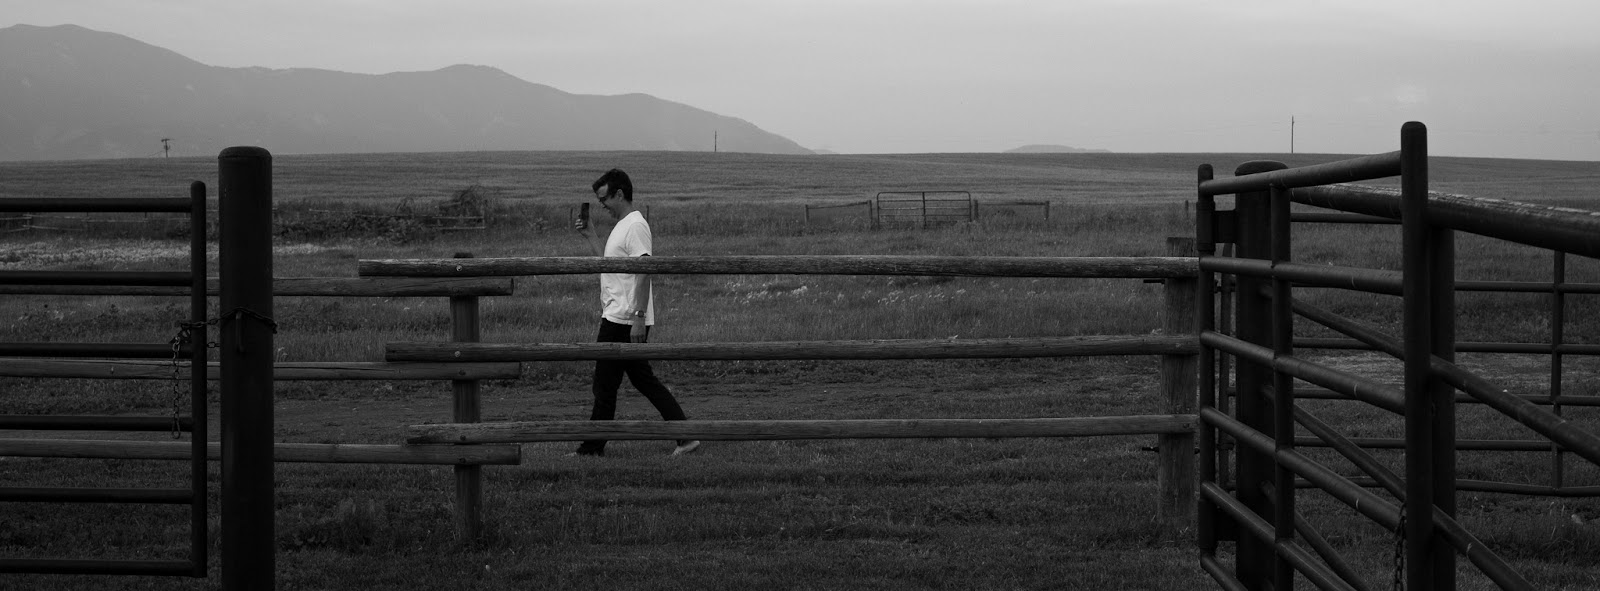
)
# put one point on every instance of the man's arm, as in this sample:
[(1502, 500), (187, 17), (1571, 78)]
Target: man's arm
[(641, 301)]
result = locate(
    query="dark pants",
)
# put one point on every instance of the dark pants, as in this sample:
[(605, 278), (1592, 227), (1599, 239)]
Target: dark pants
[(608, 377)]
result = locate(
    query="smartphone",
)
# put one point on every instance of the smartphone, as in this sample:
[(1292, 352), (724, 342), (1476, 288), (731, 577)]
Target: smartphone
[(583, 216)]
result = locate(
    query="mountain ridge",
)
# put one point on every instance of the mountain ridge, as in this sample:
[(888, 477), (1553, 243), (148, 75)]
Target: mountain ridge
[(75, 93)]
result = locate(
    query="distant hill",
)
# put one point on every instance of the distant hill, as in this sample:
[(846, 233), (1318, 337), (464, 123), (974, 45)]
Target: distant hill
[(70, 93), (1054, 149)]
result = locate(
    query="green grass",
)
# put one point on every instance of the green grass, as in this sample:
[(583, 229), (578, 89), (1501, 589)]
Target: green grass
[(967, 514)]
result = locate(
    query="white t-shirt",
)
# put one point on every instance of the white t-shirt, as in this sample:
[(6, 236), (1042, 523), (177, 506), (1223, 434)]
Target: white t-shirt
[(630, 238)]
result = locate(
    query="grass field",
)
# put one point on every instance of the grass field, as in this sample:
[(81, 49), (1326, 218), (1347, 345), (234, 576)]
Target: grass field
[(957, 514)]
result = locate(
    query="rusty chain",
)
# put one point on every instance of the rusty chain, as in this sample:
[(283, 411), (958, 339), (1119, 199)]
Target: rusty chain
[(185, 335)]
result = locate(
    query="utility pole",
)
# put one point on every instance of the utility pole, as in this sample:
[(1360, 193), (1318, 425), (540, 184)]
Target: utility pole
[(1291, 134), (713, 141), (166, 149)]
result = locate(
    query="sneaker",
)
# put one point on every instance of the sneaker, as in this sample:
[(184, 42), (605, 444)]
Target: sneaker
[(685, 448)]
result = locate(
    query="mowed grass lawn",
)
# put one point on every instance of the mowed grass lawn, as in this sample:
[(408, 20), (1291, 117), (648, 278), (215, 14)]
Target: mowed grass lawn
[(868, 514)]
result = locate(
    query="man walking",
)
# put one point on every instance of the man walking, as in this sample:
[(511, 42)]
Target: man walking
[(627, 312)]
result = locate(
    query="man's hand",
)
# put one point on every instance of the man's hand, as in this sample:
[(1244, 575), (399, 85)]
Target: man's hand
[(581, 226), (639, 332), (585, 228)]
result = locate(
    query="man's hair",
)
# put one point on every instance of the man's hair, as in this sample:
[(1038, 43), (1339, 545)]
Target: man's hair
[(615, 180)]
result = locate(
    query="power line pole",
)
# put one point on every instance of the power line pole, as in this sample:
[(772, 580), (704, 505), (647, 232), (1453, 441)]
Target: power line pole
[(166, 149), (713, 141), (1291, 134)]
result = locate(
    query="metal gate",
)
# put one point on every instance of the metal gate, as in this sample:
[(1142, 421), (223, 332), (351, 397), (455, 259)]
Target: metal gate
[(184, 346), (922, 208), (1256, 511)]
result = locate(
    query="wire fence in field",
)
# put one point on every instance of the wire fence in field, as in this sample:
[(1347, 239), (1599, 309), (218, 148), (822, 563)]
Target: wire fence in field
[(855, 214), (926, 209)]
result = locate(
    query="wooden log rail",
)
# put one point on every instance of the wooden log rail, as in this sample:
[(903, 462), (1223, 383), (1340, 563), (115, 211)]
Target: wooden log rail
[(388, 287), (542, 431), (150, 369), (795, 350), (1072, 267), (1177, 349), (342, 453)]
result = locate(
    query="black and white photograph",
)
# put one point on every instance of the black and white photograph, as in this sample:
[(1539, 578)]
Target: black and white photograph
[(890, 295)]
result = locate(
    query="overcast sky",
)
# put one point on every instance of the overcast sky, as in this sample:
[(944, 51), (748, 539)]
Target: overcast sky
[(1491, 78)]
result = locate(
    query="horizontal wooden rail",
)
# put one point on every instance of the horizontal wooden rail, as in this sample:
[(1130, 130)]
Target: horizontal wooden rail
[(96, 204), (287, 370), (62, 349), (168, 496), (96, 423), (793, 350), (1080, 267), (535, 431), (68, 566), (169, 279), (333, 453), (394, 287)]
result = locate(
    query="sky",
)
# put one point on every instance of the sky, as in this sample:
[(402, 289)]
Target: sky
[(1490, 78)]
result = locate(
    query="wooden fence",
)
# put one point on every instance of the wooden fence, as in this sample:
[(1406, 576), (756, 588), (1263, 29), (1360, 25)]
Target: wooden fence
[(1177, 350)]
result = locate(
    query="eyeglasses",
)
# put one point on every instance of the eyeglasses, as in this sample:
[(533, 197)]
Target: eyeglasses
[(603, 197)]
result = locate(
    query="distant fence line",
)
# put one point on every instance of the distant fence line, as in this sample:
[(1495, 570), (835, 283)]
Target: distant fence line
[(921, 211)]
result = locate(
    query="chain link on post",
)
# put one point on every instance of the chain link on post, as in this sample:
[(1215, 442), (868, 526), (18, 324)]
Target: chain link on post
[(1400, 552), (177, 342), (185, 336)]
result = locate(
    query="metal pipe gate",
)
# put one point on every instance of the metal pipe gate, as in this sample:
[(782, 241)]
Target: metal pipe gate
[(183, 346), (1274, 544)]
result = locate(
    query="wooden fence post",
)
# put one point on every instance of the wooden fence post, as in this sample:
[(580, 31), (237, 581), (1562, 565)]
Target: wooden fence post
[(1179, 385), (469, 479), (244, 250)]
